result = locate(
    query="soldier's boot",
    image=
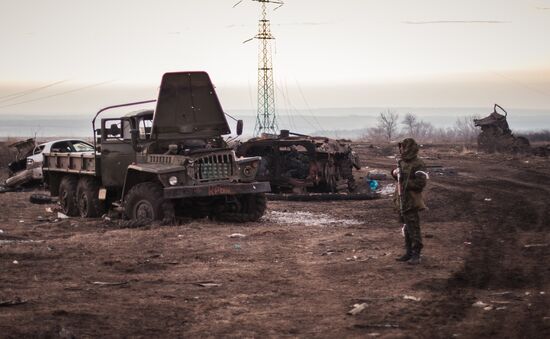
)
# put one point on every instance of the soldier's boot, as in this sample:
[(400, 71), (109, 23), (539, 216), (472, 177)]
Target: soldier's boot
[(408, 248), (415, 258)]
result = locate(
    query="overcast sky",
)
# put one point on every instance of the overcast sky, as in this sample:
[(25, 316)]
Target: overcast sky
[(347, 53)]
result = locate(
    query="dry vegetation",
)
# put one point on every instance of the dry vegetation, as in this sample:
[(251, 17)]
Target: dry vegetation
[(388, 129), (298, 271)]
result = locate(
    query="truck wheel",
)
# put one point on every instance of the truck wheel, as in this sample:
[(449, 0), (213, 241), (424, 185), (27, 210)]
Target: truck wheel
[(87, 194), (67, 196), (252, 208), (146, 201)]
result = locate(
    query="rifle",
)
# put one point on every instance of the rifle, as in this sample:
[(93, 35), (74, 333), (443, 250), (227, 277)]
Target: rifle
[(400, 195)]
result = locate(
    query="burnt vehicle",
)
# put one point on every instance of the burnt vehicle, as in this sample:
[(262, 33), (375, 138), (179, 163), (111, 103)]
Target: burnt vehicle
[(163, 163), (297, 163), (18, 175), (496, 135)]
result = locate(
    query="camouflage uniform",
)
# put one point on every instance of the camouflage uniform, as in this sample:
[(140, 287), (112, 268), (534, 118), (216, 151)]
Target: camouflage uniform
[(412, 184)]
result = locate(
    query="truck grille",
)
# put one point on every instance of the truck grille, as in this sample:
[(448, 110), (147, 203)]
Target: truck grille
[(161, 159), (214, 167)]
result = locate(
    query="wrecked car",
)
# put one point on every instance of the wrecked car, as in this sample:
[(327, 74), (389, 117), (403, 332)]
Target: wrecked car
[(27, 167)]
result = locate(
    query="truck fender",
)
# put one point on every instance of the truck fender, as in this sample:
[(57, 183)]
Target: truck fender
[(135, 175)]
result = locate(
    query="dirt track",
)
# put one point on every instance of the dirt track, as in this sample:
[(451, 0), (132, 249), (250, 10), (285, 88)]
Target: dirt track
[(299, 271)]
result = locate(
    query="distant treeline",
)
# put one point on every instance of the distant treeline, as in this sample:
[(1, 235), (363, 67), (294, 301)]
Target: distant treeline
[(543, 135)]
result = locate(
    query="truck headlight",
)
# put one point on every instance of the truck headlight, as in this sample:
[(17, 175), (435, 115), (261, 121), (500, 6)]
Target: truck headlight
[(248, 171), (173, 180)]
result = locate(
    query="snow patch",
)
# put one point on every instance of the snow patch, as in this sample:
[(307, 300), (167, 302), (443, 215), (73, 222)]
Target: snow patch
[(307, 219)]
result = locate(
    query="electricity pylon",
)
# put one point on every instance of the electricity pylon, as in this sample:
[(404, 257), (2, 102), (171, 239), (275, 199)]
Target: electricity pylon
[(266, 117)]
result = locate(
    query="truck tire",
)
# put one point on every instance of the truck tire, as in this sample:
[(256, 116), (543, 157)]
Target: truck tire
[(146, 201), (252, 209), (87, 198), (40, 199), (67, 195)]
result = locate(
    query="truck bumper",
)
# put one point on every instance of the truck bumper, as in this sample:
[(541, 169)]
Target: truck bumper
[(177, 192)]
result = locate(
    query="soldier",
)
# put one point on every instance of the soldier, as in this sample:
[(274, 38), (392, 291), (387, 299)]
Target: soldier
[(412, 176)]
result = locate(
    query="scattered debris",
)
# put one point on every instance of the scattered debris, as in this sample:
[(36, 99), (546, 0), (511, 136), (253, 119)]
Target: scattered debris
[(357, 308), (376, 325), (15, 262), (488, 308), (1, 231), (66, 334), (331, 252), (237, 235), (207, 284), (376, 299), (62, 216), (487, 199), (505, 293), (352, 258), (535, 245), (410, 297), (13, 302), (480, 304), (386, 190), (440, 170), (104, 283), (49, 210), (41, 199)]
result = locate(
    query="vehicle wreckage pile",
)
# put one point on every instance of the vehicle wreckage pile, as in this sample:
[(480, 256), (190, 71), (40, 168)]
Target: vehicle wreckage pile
[(297, 163), (496, 135)]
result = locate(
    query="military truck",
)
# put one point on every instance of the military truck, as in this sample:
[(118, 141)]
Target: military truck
[(298, 163), (496, 135), (163, 163)]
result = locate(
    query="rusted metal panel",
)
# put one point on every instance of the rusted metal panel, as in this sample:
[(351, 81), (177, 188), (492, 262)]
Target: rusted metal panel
[(188, 106)]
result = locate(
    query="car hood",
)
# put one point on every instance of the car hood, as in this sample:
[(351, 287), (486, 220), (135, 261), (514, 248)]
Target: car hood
[(188, 106)]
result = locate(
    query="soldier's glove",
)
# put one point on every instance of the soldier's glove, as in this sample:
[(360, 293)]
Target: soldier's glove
[(394, 173), (425, 174)]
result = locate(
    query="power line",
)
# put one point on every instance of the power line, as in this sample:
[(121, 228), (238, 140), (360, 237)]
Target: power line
[(58, 94), (13, 96)]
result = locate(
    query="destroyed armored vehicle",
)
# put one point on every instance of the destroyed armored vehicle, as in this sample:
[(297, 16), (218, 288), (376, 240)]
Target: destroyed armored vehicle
[(297, 163), (159, 164), (496, 136)]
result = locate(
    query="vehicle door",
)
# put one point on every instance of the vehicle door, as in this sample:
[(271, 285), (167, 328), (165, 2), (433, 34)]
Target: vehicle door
[(117, 152), (36, 160)]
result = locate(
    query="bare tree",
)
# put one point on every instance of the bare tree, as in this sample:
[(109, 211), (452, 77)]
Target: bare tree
[(387, 122), (411, 125), (465, 129), (424, 131)]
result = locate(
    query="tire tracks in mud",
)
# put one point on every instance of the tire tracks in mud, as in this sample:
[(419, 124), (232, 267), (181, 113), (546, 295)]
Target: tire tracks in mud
[(502, 210)]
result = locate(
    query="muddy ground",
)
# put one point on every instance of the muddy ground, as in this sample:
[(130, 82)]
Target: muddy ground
[(297, 272)]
